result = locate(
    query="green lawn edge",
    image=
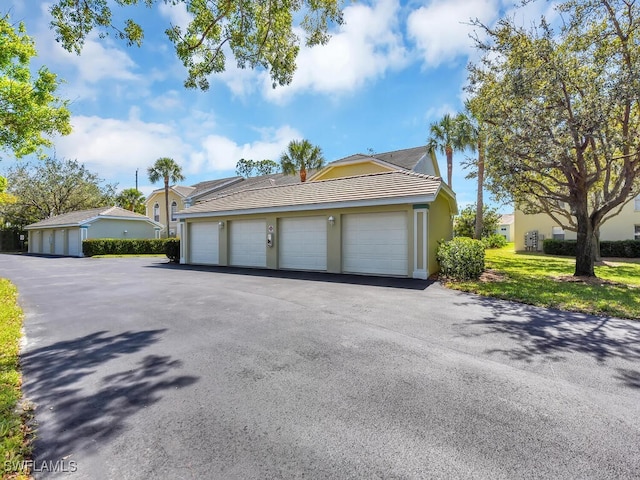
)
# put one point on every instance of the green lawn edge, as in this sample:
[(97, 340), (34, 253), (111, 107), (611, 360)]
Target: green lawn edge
[(15, 448), (546, 281)]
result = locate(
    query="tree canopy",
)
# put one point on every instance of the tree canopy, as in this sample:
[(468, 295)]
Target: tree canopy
[(131, 199), (465, 222), (251, 168), (258, 34), (447, 135), (53, 187), (300, 157), (563, 110), (29, 110)]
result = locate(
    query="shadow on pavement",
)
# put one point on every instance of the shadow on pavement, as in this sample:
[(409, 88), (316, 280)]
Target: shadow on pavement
[(552, 334), (85, 410), (390, 282)]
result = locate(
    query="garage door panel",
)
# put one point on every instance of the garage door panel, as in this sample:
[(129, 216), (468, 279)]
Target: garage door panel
[(247, 239), (36, 242), (375, 243), (74, 243), (303, 243), (58, 246), (203, 243)]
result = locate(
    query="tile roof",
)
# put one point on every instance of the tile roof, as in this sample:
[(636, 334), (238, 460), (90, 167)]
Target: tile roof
[(507, 219), (182, 190), (251, 183), (202, 187), (385, 186), (82, 216), (407, 158)]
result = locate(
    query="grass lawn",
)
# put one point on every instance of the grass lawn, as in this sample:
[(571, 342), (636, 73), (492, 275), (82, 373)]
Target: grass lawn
[(14, 446), (547, 281)]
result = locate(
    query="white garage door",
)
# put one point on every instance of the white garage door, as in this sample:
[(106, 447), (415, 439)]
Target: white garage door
[(35, 242), (375, 243), (248, 243), (74, 242), (303, 243), (203, 243), (58, 246)]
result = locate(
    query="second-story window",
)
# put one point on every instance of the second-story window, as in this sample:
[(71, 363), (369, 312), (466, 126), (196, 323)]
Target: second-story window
[(174, 209), (156, 212)]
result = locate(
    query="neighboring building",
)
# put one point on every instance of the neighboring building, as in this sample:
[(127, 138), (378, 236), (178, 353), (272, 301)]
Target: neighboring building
[(156, 206), (363, 214), (624, 226), (506, 228), (63, 234)]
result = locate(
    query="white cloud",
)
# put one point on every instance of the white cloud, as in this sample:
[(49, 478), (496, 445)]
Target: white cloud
[(113, 145), (222, 153), (176, 14), (441, 29), (168, 101), (365, 47)]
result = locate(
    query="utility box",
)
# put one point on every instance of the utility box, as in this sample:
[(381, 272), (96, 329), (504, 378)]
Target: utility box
[(531, 241)]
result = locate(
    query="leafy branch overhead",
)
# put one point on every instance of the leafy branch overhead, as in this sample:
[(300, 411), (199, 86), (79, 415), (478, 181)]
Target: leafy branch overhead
[(29, 110), (258, 34)]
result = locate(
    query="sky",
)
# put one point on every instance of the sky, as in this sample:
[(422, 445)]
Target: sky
[(392, 69)]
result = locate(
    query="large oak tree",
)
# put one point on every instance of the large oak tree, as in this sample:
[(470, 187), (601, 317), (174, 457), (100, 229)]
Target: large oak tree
[(563, 106)]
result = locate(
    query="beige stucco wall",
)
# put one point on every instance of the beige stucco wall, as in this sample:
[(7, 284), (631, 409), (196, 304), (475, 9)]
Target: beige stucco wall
[(113, 228), (620, 227), (439, 227), (158, 198)]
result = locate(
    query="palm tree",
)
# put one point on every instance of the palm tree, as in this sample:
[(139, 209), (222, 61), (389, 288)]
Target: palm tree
[(167, 169), (300, 157), (446, 136), (131, 199)]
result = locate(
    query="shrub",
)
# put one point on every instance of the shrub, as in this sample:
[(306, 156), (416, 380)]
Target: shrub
[(494, 241), (559, 247), (123, 246), (608, 248), (461, 258), (172, 249)]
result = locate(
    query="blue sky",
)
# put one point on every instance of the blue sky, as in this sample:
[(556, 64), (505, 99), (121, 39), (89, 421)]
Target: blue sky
[(390, 71)]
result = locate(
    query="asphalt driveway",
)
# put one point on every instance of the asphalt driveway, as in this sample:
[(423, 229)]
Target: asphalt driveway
[(141, 369)]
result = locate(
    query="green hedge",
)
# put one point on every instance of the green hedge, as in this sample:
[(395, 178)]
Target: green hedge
[(125, 246), (608, 248), (461, 258)]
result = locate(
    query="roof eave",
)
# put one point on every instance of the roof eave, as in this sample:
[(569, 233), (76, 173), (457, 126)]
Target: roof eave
[(316, 206)]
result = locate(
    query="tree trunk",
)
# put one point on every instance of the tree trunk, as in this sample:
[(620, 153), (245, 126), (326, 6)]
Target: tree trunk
[(596, 245), (585, 246), (303, 175), (166, 202), (449, 152), (480, 198)]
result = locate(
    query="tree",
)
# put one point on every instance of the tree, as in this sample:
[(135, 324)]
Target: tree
[(131, 199), (29, 109), (564, 111), (53, 187), (258, 34), (251, 168), (301, 156), (4, 196), (474, 137), (447, 136), (168, 170), (465, 223)]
